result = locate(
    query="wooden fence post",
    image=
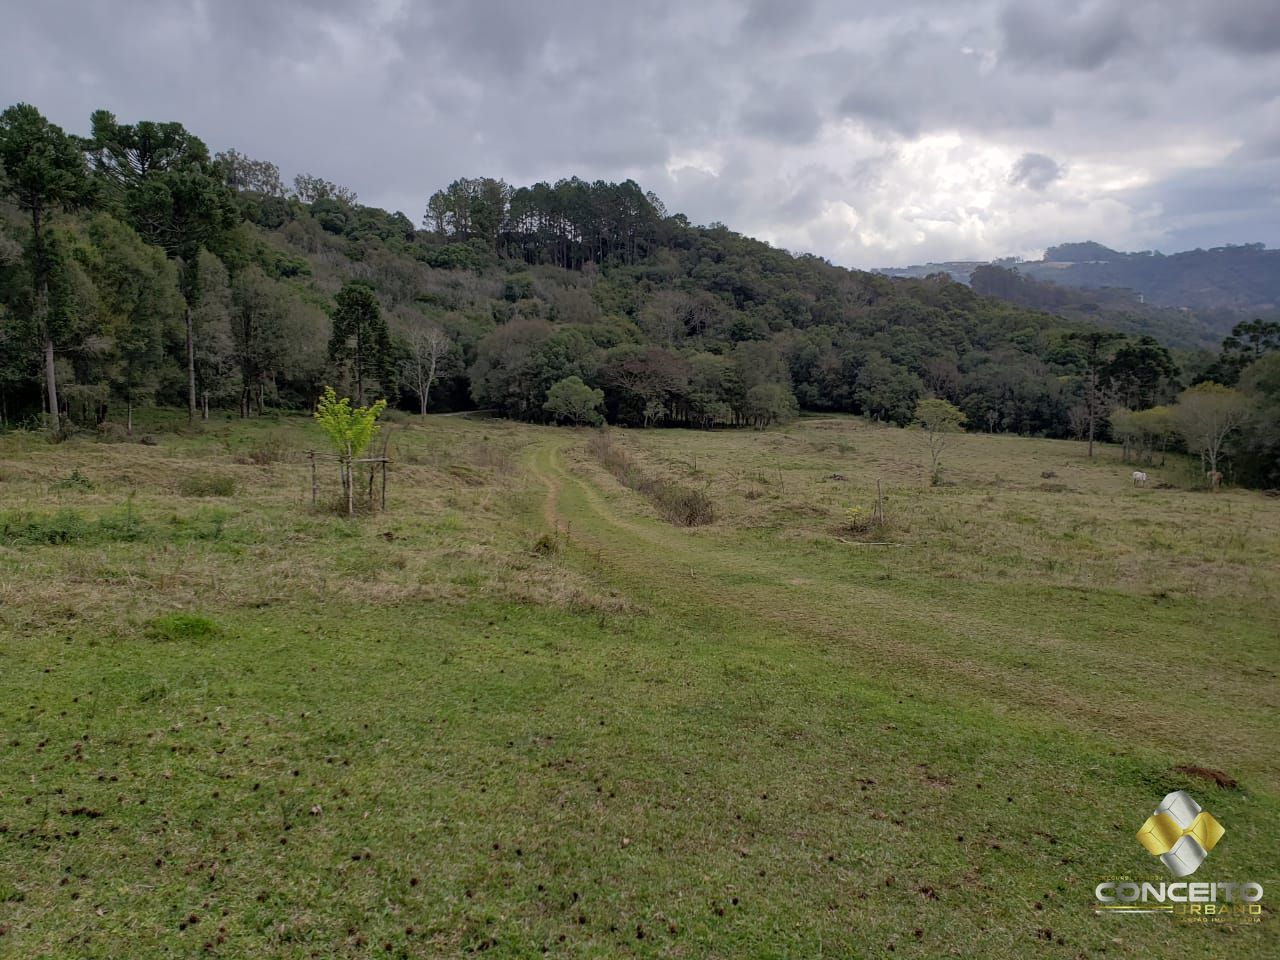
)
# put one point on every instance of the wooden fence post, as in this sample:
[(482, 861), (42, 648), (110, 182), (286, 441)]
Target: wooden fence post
[(348, 473)]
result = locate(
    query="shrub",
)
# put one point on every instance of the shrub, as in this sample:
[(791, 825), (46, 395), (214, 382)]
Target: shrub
[(683, 506), (206, 485), (109, 432), (69, 526), (265, 450), (858, 520), (75, 480), (862, 522), (65, 526)]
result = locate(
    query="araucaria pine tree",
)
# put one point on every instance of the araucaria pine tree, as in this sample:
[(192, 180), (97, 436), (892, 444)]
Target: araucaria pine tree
[(360, 337)]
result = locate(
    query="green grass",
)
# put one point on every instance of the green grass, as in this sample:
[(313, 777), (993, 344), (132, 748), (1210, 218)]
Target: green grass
[(521, 713)]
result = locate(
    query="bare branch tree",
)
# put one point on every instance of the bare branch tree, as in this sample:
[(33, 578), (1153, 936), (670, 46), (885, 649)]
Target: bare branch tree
[(428, 345)]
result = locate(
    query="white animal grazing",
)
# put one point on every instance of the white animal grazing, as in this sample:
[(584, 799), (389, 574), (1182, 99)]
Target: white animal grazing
[(1139, 478)]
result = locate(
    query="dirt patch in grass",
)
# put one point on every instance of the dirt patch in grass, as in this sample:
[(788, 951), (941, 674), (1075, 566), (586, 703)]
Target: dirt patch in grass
[(1224, 780)]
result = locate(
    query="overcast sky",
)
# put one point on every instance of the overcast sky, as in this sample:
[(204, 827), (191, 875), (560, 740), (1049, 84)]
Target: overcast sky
[(872, 133)]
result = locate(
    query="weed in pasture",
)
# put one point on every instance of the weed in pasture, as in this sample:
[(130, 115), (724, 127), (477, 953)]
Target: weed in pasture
[(546, 545), (75, 480), (182, 627), (69, 526), (492, 456), (265, 450), (206, 485), (66, 527)]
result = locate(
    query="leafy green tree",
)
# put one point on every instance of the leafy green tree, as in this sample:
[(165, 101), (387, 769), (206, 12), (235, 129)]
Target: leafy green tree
[(1155, 429), (163, 181), (310, 189), (1248, 342), (19, 364), (350, 430), (884, 390), (643, 384), (937, 420), (216, 354), (244, 173), (520, 361), (257, 328), (1141, 373), (43, 171), (705, 402), (1125, 429), (139, 305), (1207, 415), (360, 338), (572, 401), (1097, 394), (1253, 338), (501, 375), (770, 403), (1258, 462)]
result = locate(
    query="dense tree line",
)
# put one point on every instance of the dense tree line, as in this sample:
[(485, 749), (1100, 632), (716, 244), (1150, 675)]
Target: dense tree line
[(568, 224), (138, 268)]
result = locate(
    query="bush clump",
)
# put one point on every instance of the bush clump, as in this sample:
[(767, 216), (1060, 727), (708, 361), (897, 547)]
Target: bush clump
[(206, 485), (69, 526), (265, 450)]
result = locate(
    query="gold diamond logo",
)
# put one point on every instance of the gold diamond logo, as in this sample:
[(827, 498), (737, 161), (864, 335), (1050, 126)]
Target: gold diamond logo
[(1180, 833)]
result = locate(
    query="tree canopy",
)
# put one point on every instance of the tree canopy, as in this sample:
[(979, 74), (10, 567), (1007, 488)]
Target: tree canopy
[(523, 289)]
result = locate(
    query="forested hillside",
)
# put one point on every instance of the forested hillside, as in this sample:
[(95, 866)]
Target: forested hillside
[(138, 268), (1190, 299), (1243, 277), (1115, 308)]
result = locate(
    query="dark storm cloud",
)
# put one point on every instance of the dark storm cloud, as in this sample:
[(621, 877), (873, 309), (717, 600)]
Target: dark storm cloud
[(789, 116), (1247, 26), (1035, 171), (867, 132), (1214, 207), (1080, 37), (768, 20)]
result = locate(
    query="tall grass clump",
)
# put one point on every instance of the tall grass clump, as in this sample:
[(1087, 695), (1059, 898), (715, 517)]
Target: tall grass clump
[(206, 485), (69, 526), (679, 505), (264, 451)]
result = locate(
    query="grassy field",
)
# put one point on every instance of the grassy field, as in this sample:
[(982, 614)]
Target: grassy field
[(521, 714)]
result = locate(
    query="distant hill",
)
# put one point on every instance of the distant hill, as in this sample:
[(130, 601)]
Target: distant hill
[(1086, 252), (1186, 299), (1243, 278)]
